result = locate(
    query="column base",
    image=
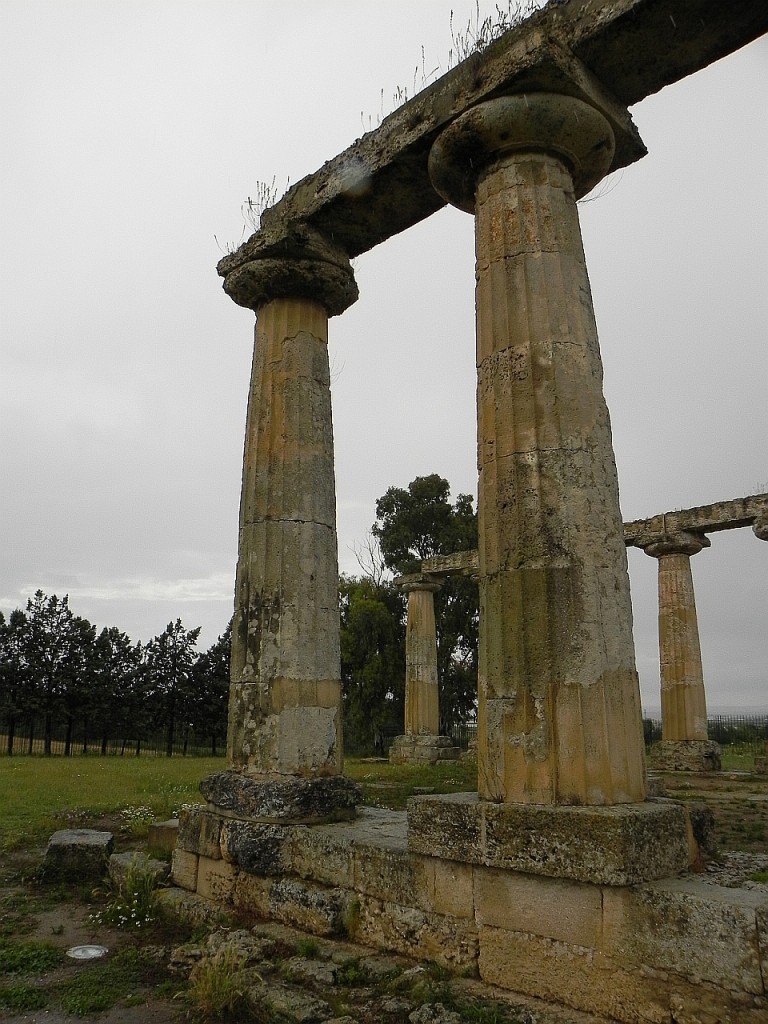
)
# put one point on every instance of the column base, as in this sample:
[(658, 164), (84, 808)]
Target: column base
[(616, 845), (685, 756), (281, 799), (423, 750)]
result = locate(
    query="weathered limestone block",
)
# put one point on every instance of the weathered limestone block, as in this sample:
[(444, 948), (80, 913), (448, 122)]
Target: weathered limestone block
[(184, 869), (78, 854), (256, 848), (162, 835), (446, 887), (616, 845), (551, 908), (573, 975), (385, 873), (558, 703), (686, 756), (281, 799), (216, 880), (689, 928), (444, 940), (314, 908), (321, 854), (422, 749), (199, 832)]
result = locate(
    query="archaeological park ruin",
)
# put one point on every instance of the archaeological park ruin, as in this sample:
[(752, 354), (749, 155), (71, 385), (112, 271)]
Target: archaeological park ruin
[(563, 877)]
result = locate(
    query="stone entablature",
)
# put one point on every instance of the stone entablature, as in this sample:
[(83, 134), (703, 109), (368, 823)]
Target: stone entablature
[(577, 48), (733, 514), (721, 515)]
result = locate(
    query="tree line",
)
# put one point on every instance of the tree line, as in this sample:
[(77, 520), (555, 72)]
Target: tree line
[(57, 669)]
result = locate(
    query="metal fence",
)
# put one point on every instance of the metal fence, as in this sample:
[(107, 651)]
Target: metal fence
[(30, 741), (739, 734)]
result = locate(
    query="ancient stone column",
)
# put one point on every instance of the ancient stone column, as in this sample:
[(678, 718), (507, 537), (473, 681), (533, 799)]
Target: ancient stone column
[(285, 698), (422, 740), (684, 746), (559, 718)]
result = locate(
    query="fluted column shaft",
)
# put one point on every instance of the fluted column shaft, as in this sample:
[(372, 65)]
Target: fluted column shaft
[(559, 717), (422, 708), (285, 697), (285, 691), (683, 698)]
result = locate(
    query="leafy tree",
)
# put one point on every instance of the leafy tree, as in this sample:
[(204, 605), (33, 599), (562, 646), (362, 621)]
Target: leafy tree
[(419, 523), (116, 695), (211, 689), (168, 673), (54, 643), (372, 661), (78, 676), (14, 677)]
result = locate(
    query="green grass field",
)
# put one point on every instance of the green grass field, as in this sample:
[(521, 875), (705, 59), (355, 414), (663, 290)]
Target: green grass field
[(39, 795)]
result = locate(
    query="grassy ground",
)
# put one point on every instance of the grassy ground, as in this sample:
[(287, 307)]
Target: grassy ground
[(39, 795)]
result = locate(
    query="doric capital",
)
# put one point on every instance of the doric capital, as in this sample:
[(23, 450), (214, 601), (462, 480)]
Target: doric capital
[(683, 543), (295, 264), (418, 581), (563, 126), (760, 526)]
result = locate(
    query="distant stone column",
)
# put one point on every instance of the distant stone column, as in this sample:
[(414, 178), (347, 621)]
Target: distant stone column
[(559, 718), (285, 726), (760, 527), (422, 740), (684, 743)]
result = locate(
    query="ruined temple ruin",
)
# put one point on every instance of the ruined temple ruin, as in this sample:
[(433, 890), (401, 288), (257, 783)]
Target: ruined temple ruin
[(559, 878), (672, 538)]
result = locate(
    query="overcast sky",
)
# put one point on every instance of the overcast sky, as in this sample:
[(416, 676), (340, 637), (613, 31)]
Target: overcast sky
[(132, 133)]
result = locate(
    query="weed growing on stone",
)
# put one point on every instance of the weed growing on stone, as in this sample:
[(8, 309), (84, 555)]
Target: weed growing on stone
[(217, 984), (352, 974), (134, 904), (309, 948)]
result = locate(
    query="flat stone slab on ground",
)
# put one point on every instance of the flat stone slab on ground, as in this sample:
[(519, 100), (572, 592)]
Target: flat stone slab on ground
[(78, 854)]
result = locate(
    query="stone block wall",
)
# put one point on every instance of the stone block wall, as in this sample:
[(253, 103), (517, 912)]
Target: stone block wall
[(673, 950)]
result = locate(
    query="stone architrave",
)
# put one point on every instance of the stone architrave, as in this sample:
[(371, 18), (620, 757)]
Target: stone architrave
[(559, 718), (684, 742), (422, 741), (284, 734)]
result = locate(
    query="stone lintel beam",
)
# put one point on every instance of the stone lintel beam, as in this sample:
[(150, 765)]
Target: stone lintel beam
[(721, 515), (610, 53), (460, 563)]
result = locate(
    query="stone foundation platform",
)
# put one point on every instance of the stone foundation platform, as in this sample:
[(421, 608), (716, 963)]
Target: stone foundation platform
[(669, 950), (685, 756), (423, 750)]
